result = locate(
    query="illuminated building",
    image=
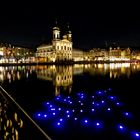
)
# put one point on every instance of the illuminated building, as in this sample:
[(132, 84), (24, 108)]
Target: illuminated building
[(10, 123), (98, 54), (12, 54), (78, 55), (59, 50), (119, 54)]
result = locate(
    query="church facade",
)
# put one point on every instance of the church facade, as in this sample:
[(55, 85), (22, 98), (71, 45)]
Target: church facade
[(59, 50)]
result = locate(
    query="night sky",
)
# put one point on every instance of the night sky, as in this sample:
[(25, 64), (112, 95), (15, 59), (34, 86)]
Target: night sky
[(92, 24)]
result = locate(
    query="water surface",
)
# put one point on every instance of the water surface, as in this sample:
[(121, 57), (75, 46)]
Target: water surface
[(96, 101)]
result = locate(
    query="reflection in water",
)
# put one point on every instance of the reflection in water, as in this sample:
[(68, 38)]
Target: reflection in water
[(115, 70), (13, 73), (10, 123), (62, 76)]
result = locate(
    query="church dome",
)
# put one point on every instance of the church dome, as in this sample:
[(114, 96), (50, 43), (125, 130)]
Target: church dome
[(55, 28), (64, 36)]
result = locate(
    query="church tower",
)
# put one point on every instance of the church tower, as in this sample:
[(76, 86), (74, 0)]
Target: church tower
[(56, 32), (69, 35)]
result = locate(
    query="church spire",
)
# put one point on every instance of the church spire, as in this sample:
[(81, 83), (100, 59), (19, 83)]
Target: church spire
[(56, 31), (69, 34), (56, 24)]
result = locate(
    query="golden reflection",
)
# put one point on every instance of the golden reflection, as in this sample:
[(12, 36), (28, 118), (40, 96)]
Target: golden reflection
[(13, 73), (10, 123), (61, 76), (115, 70)]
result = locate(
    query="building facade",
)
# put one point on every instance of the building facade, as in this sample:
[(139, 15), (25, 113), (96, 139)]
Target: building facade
[(59, 50), (15, 54)]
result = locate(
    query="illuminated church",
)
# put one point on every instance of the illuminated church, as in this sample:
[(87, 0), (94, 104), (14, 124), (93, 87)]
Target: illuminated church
[(59, 50)]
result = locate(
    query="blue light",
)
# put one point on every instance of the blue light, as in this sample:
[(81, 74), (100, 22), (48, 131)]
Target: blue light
[(121, 128), (92, 96), (67, 111), (127, 114), (109, 89), (118, 104), (109, 109), (86, 121), (103, 101), (111, 97), (61, 120), (97, 104), (73, 110), (39, 115), (59, 109), (135, 134), (82, 97), (98, 124), (99, 92)]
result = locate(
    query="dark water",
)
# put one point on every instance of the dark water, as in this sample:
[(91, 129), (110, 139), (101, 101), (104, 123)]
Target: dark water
[(98, 101)]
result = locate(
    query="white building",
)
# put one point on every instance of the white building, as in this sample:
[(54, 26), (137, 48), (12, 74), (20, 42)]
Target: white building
[(78, 55), (59, 50)]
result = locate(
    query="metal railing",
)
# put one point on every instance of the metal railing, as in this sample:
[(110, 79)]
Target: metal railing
[(6, 95)]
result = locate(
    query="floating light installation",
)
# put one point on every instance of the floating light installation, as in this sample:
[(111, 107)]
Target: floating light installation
[(87, 109)]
